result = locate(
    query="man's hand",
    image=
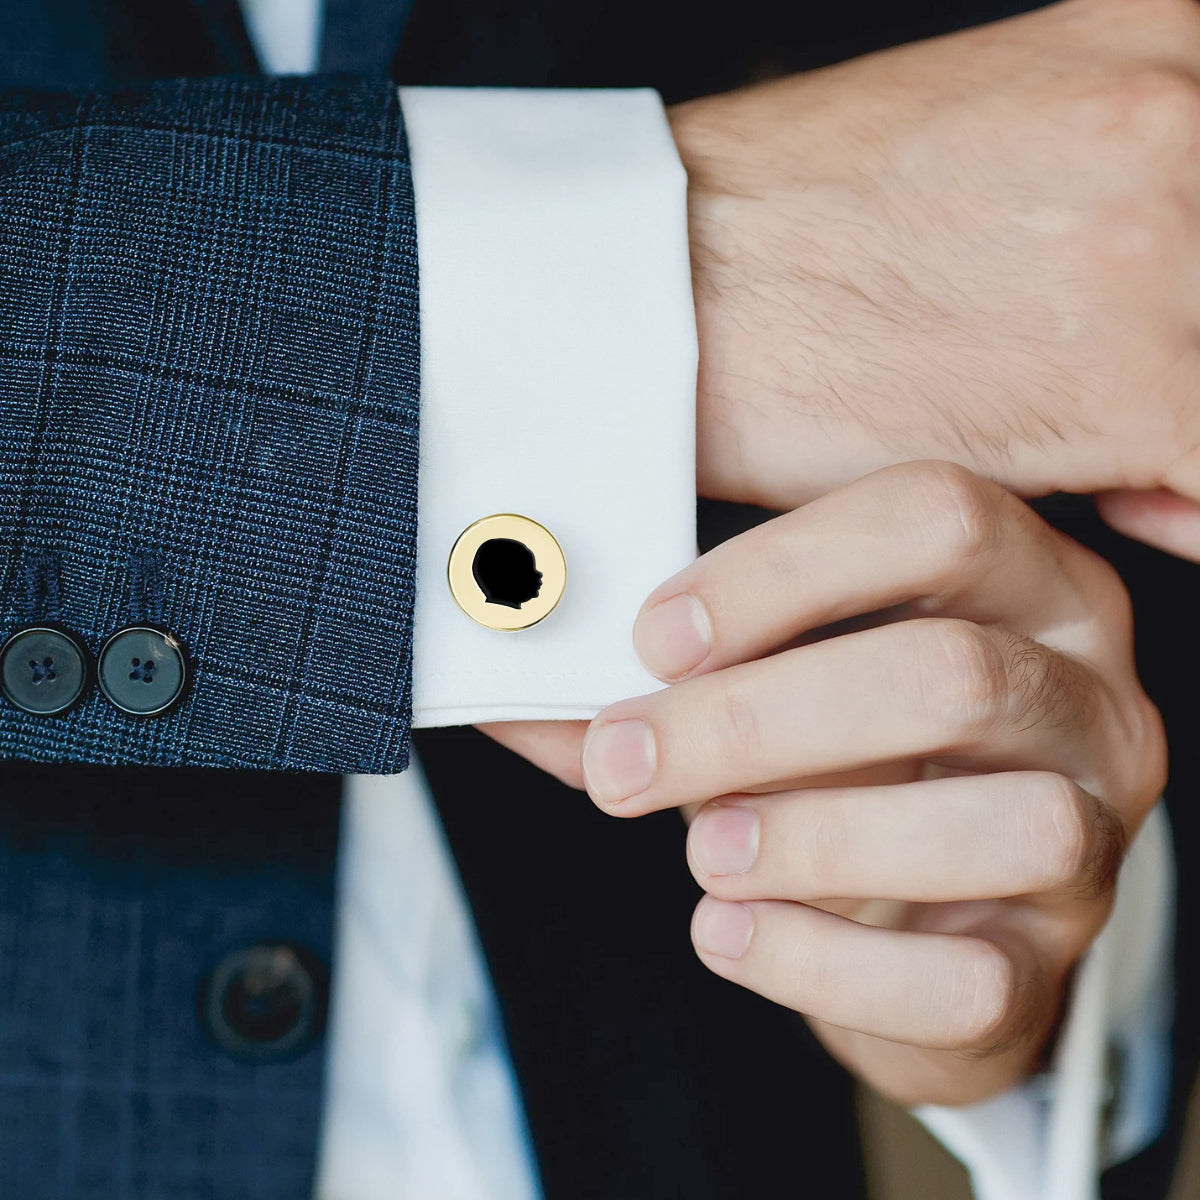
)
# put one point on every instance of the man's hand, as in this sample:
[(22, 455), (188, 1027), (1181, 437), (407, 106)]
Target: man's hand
[(984, 247), (956, 749)]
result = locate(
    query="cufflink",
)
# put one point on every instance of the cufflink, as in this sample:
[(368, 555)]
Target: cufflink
[(143, 670), (507, 572), (44, 670)]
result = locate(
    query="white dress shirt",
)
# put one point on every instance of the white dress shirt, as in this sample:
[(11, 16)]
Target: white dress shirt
[(558, 379), (558, 351)]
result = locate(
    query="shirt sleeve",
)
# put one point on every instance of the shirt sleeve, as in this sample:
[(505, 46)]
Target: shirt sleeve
[(1106, 1096), (558, 382)]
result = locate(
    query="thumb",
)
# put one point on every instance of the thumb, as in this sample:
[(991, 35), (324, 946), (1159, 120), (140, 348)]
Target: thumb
[(1159, 518)]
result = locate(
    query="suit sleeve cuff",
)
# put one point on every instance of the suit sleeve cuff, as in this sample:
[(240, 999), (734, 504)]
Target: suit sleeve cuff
[(558, 382)]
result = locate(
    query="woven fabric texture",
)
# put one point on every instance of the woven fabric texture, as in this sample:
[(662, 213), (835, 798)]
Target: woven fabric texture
[(119, 895), (209, 386)]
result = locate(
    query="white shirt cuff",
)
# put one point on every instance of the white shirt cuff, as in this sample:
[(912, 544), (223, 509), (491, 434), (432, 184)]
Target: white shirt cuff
[(1106, 1097), (558, 377)]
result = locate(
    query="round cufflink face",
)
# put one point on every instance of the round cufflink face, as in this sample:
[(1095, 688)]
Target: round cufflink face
[(143, 670), (507, 572), (44, 670)]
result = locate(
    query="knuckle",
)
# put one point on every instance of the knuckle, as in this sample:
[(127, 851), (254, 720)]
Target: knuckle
[(975, 680), (1147, 120), (1061, 827), (737, 718), (957, 511), (964, 681), (828, 845), (1078, 841), (990, 1000)]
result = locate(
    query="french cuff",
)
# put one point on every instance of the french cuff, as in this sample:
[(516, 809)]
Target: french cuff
[(558, 386), (1106, 1097)]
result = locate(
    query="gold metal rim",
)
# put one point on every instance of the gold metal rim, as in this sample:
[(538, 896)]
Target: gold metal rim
[(548, 556)]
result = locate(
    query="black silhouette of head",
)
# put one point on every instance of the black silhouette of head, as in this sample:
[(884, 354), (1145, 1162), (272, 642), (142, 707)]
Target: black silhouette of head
[(506, 572)]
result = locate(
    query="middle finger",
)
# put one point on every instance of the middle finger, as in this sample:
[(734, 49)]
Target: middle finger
[(969, 696)]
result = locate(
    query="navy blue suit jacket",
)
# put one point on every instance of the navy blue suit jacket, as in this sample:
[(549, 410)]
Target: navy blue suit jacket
[(209, 360)]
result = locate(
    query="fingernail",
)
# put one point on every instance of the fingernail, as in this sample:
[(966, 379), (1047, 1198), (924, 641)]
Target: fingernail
[(724, 841), (723, 928), (673, 637), (618, 760)]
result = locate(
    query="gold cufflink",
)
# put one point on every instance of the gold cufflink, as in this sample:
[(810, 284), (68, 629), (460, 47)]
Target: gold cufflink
[(507, 572)]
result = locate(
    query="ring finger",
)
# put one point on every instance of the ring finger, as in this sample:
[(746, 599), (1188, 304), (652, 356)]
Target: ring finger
[(970, 837)]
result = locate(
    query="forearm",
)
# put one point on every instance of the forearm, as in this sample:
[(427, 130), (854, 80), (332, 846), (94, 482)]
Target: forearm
[(935, 250)]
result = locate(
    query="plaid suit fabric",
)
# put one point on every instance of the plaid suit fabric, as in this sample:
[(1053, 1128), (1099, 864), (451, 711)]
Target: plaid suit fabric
[(120, 892), (209, 362)]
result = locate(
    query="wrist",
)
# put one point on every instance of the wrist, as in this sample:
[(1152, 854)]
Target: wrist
[(771, 425), (721, 469)]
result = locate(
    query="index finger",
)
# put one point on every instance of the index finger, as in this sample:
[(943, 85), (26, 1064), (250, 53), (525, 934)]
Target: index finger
[(927, 531)]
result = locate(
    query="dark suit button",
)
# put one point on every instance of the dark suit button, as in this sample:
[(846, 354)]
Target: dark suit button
[(44, 669), (265, 1002), (143, 670)]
